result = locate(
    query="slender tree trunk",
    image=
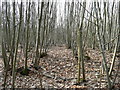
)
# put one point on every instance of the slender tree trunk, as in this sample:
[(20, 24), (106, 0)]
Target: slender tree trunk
[(13, 48), (102, 51), (119, 30), (16, 49), (27, 40), (38, 38), (114, 56), (80, 47)]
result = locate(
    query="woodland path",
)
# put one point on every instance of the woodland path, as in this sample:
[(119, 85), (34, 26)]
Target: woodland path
[(59, 69)]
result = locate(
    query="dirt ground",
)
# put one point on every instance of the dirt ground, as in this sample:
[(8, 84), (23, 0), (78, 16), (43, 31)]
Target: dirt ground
[(59, 70)]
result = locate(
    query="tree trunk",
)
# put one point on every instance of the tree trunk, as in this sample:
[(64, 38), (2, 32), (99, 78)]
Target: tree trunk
[(38, 38), (80, 47)]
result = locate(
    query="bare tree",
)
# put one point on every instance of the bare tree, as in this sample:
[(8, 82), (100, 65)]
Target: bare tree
[(80, 46), (37, 53)]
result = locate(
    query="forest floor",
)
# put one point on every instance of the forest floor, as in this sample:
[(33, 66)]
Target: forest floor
[(59, 70)]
